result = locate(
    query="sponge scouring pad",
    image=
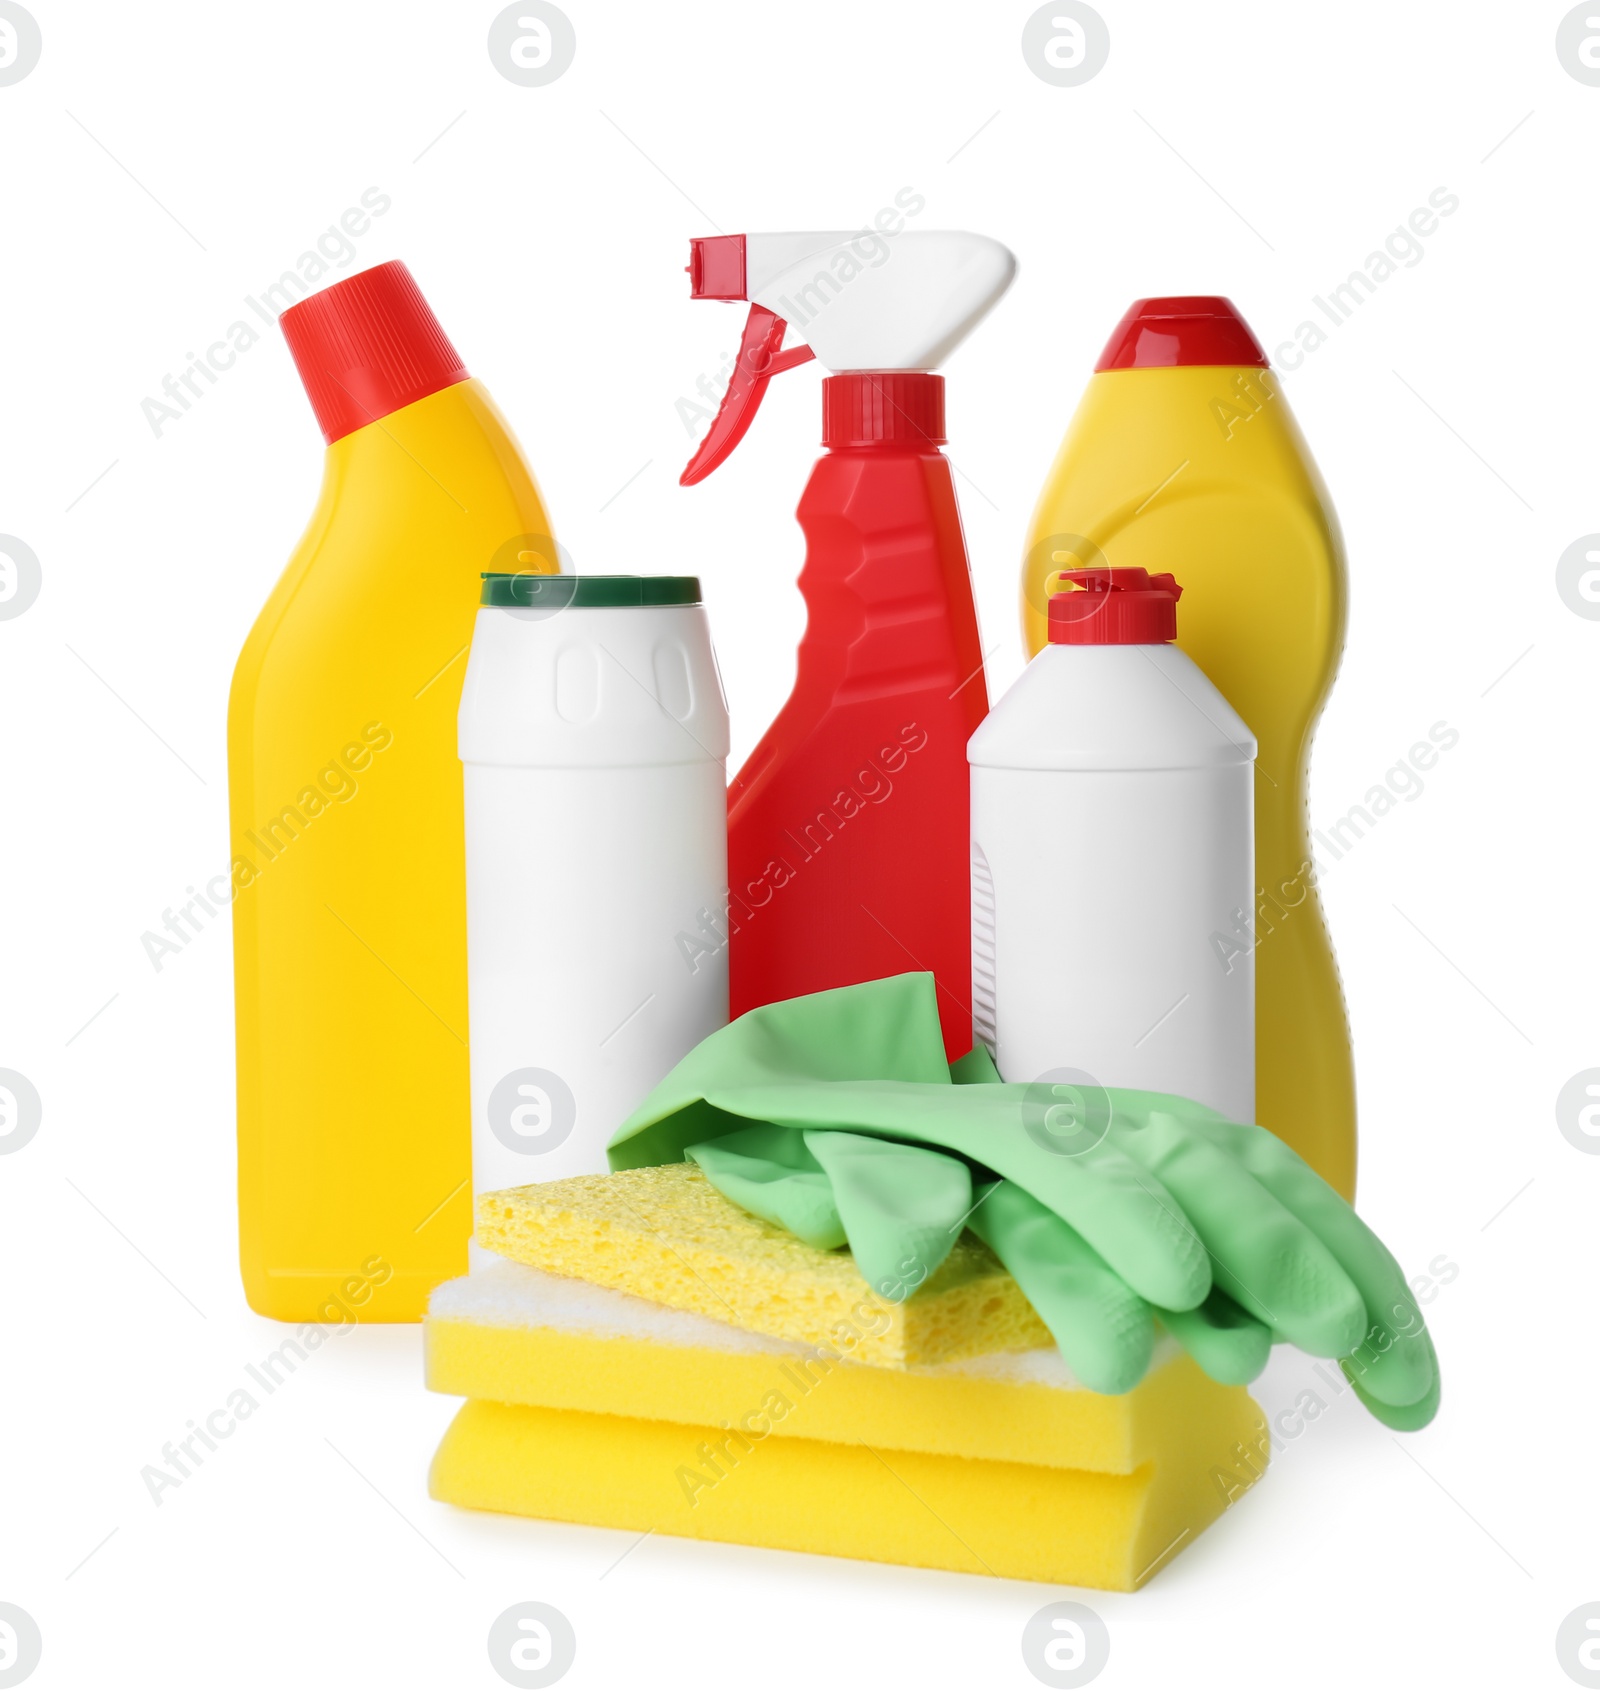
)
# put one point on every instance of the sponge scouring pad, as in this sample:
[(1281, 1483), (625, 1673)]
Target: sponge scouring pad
[(667, 1234), (601, 1408)]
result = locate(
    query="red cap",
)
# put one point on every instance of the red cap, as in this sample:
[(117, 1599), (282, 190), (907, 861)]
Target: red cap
[(1184, 329), (1115, 608), (366, 346), (890, 408)]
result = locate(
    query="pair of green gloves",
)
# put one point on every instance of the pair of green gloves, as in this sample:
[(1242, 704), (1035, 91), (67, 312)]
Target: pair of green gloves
[(837, 1117)]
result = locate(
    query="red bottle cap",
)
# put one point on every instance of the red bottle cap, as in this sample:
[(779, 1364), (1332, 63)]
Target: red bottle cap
[(1115, 608), (1158, 334), (894, 407), (366, 346)]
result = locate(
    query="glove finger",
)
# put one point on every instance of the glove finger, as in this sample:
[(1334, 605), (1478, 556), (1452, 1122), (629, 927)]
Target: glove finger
[(1226, 1341), (1264, 1256), (1402, 1418), (1395, 1359), (902, 1207), (1102, 1328), (769, 1172), (1124, 1213), (1120, 1208)]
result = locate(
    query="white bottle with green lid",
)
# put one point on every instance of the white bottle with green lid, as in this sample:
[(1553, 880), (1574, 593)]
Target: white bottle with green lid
[(594, 739)]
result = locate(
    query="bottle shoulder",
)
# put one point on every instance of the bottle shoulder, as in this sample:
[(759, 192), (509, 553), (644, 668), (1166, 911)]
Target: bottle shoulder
[(592, 687), (1112, 708)]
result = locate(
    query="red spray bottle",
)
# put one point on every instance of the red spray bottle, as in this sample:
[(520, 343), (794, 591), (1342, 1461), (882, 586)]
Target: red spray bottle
[(847, 828)]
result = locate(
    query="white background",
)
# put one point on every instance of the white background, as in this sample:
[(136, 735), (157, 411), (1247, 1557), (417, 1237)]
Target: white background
[(163, 161)]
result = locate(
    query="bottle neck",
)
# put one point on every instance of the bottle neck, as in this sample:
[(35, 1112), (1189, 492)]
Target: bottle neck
[(449, 456), (900, 410), (458, 408)]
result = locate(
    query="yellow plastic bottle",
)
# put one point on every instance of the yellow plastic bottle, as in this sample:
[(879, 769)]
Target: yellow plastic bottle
[(348, 873), (1184, 456)]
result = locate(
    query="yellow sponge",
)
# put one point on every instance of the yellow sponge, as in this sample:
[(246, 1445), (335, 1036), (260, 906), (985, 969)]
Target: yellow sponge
[(668, 1235), (602, 1408), (1062, 1525)]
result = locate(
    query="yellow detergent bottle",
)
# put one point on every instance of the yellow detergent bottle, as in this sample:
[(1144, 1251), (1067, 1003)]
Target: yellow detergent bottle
[(348, 870), (1184, 456)]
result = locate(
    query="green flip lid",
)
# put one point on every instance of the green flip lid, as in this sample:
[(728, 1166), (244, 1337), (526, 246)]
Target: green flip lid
[(556, 592)]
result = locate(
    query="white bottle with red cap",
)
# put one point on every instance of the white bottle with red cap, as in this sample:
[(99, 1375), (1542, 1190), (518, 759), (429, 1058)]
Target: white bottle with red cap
[(1112, 858)]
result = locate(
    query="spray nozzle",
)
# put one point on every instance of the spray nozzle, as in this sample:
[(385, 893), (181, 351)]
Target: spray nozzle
[(717, 271), (867, 301)]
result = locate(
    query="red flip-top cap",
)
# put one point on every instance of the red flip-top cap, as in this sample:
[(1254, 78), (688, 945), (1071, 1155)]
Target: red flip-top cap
[(366, 346), (1181, 329), (1114, 608)]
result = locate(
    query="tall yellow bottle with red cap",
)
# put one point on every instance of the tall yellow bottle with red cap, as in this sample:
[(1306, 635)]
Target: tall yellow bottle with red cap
[(348, 864), (1183, 456)]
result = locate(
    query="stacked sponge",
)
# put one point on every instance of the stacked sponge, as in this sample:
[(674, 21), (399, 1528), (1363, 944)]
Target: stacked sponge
[(652, 1357)]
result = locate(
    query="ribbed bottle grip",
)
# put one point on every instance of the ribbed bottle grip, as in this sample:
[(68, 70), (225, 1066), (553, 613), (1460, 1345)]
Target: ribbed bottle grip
[(983, 951)]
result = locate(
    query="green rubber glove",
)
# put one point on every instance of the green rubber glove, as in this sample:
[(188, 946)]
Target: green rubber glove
[(901, 1208), (1394, 1369), (1112, 1204), (1104, 1330), (770, 1172)]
